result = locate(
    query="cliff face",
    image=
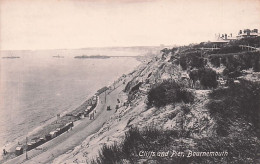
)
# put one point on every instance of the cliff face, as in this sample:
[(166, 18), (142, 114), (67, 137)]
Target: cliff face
[(191, 125), (197, 122)]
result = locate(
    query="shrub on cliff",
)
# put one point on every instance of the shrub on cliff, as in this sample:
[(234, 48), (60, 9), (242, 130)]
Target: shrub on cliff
[(168, 92), (228, 49), (183, 62), (255, 42), (237, 61), (215, 61), (143, 146), (192, 59), (206, 76), (256, 66), (240, 101), (109, 154)]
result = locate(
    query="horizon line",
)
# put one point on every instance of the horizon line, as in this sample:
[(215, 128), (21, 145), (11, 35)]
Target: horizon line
[(89, 47)]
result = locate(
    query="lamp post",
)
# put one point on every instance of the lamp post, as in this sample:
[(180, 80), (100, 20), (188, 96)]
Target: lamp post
[(26, 147), (105, 96)]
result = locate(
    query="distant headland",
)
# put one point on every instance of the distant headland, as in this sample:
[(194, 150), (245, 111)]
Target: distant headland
[(93, 56), (10, 57)]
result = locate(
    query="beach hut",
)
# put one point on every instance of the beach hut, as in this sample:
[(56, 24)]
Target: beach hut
[(58, 131), (29, 147), (88, 109), (41, 141), (93, 101), (53, 134), (18, 150), (34, 144), (71, 124), (64, 129), (48, 137), (37, 143), (82, 115)]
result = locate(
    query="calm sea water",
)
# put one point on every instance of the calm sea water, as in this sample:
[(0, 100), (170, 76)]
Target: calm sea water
[(37, 86)]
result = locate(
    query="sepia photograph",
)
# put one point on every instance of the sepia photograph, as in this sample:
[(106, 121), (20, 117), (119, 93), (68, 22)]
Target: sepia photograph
[(129, 81)]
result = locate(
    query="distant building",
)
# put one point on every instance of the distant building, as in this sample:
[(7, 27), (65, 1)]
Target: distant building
[(219, 41), (247, 33), (225, 37)]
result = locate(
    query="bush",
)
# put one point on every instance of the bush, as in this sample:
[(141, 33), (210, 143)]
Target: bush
[(239, 149), (238, 61), (256, 65), (215, 61), (206, 76), (186, 109), (196, 61), (231, 73), (168, 92), (192, 59), (110, 154), (248, 41), (238, 101), (228, 49), (183, 62)]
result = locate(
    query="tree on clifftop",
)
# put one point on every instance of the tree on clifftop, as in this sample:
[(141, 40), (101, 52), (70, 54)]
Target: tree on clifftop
[(206, 76)]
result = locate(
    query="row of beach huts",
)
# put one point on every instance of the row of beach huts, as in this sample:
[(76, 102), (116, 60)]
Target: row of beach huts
[(33, 144), (88, 112)]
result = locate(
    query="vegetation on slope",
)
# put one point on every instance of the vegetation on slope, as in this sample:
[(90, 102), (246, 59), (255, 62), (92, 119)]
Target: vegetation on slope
[(238, 102), (168, 92), (151, 145), (234, 109), (206, 76), (192, 60), (237, 61)]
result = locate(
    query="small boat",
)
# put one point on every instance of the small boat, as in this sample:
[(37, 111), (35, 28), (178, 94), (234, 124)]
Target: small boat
[(10, 57), (58, 56)]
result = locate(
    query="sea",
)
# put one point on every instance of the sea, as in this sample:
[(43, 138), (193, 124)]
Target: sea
[(37, 86)]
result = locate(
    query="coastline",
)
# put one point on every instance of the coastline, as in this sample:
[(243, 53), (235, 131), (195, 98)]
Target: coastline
[(42, 125), (49, 124), (83, 128)]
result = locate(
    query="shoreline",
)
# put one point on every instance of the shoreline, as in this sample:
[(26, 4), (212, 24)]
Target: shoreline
[(42, 130), (82, 129), (49, 124), (42, 124)]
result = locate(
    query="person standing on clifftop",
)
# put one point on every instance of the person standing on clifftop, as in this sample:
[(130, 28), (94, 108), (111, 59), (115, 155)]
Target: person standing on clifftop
[(4, 152)]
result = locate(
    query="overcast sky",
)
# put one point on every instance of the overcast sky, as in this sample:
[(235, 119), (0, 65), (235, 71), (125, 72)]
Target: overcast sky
[(36, 24)]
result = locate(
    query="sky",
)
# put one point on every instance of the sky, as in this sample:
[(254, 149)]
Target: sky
[(69, 24)]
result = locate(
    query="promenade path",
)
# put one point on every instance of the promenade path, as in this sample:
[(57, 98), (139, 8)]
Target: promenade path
[(67, 141)]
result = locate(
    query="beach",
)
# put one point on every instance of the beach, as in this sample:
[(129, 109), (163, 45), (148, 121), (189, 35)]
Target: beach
[(82, 129)]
